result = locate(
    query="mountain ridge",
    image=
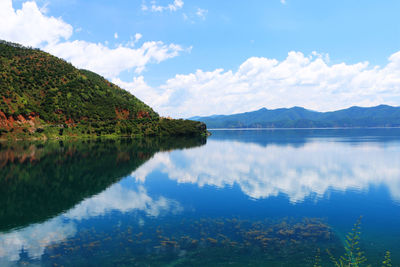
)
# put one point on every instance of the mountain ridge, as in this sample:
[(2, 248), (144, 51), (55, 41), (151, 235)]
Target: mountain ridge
[(299, 117)]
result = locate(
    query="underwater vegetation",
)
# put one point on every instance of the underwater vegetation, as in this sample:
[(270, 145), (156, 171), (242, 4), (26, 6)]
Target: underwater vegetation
[(134, 240), (387, 262), (354, 256), (192, 242)]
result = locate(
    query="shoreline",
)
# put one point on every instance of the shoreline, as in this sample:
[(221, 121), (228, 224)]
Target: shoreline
[(316, 128)]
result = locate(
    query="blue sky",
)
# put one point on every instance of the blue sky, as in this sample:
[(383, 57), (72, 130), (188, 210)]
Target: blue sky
[(199, 50)]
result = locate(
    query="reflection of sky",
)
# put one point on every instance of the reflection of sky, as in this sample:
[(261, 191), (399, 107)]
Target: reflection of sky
[(122, 199), (35, 238), (298, 172)]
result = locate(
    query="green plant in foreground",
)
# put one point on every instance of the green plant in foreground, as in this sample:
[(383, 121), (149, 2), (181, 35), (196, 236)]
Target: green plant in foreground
[(387, 262), (353, 256)]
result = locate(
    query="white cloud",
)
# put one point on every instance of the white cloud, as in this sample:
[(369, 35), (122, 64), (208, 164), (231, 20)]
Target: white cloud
[(201, 13), (30, 26), (298, 80), (111, 62), (174, 6), (133, 40), (44, 9), (138, 36), (283, 2), (311, 170), (138, 87)]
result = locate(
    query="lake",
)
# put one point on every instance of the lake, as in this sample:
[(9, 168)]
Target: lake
[(239, 198)]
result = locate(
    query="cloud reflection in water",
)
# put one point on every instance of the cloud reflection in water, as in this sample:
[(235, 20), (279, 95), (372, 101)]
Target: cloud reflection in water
[(35, 238), (298, 172)]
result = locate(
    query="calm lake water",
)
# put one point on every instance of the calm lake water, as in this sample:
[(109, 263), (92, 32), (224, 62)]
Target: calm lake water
[(239, 198)]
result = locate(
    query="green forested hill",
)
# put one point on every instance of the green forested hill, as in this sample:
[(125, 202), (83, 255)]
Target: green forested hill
[(43, 95)]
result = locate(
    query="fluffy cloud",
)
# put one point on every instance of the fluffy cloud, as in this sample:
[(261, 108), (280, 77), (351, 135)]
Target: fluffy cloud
[(111, 62), (177, 4), (138, 87), (298, 172), (30, 26), (298, 80)]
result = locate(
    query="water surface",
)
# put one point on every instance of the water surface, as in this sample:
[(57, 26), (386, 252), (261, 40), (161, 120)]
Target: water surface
[(243, 197)]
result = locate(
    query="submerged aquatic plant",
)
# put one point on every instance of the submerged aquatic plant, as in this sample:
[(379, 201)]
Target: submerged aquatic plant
[(317, 262), (387, 262), (353, 256)]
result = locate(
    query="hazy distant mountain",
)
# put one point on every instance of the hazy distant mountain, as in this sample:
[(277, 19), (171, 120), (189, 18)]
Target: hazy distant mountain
[(298, 117)]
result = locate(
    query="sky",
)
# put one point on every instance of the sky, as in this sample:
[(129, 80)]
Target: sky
[(197, 58)]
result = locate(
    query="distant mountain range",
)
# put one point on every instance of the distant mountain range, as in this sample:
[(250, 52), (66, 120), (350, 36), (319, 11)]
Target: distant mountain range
[(298, 117)]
